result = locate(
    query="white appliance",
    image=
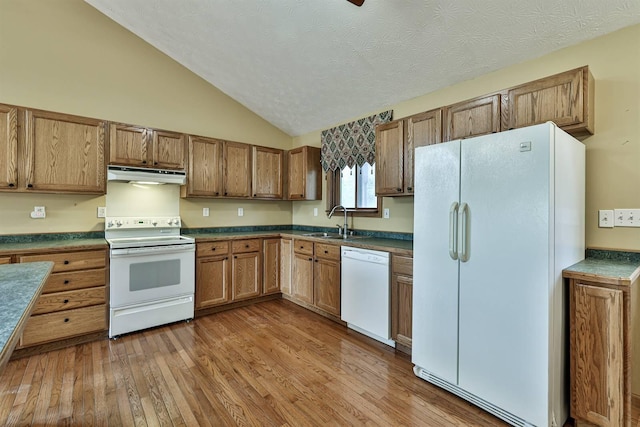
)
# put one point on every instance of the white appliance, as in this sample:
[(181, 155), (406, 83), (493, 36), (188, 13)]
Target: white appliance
[(145, 175), (152, 273), (365, 293), (496, 219)]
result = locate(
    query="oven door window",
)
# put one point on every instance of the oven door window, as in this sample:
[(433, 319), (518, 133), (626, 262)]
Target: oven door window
[(154, 274)]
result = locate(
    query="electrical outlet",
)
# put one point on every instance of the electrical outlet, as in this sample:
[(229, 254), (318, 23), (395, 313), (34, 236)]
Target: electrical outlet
[(102, 211), (240, 212), (385, 213), (205, 211), (38, 212), (605, 218)]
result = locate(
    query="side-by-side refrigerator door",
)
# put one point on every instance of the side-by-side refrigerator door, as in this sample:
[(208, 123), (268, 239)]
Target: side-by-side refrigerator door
[(435, 264)]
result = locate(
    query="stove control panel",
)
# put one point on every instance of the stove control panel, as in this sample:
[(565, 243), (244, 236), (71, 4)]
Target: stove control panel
[(128, 222)]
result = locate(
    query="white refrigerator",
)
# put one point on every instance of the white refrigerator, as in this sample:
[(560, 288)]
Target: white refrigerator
[(496, 219)]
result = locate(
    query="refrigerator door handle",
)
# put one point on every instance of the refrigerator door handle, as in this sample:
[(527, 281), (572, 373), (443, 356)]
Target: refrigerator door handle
[(453, 230), (463, 250)]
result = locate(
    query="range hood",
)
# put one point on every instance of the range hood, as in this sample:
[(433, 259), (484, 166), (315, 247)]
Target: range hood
[(145, 175)]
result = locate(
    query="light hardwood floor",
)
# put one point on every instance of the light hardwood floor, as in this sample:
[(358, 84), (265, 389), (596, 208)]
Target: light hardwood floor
[(269, 364)]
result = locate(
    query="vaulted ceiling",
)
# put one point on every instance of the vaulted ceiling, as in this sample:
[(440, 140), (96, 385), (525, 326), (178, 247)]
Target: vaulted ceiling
[(305, 65)]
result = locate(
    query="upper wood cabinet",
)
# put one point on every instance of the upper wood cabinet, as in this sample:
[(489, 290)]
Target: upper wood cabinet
[(8, 147), (475, 117), (267, 172), (395, 145), (565, 99), (132, 145), (304, 174), (237, 169), (63, 153), (205, 168)]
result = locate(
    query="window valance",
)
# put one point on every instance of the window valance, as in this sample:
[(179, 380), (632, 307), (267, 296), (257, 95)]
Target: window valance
[(352, 143)]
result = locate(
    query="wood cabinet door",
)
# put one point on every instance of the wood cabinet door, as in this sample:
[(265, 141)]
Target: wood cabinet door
[(5, 260), (271, 266), (390, 158), (64, 153), (8, 147), (422, 129), (212, 281), (401, 308), (245, 276), (302, 280), (297, 173), (237, 169), (168, 150), (205, 167), (597, 354), (286, 265), (478, 116), (129, 145), (326, 285), (267, 173), (559, 98)]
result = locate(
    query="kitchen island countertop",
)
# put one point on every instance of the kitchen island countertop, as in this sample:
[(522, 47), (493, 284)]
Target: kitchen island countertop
[(20, 287)]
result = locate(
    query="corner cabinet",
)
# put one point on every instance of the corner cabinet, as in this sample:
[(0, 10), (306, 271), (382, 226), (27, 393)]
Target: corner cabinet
[(565, 99), (395, 145), (304, 177), (63, 153), (8, 147), (132, 145), (600, 313)]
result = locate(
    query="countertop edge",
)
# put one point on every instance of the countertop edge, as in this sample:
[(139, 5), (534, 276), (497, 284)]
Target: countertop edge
[(12, 341), (630, 280)]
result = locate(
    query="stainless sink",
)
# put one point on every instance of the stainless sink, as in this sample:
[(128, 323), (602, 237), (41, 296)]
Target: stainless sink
[(333, 236)]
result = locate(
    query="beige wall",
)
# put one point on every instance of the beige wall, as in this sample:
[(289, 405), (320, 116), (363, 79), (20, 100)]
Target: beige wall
[(64, 55), (613, 153)]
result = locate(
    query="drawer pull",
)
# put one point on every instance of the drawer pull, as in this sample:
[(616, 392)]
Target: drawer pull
[(213, 249), (66, 282), (246, 246), (326, 252), (66, 262), (65, 301), (66, 320)]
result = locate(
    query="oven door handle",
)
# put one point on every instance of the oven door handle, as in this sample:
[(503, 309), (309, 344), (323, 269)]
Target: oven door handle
[(152, 250)]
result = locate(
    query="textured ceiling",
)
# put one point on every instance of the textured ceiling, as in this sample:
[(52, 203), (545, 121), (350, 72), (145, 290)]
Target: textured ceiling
[(305, 65)]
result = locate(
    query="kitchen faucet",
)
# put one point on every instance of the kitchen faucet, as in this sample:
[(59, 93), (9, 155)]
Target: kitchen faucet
[(344, 229)]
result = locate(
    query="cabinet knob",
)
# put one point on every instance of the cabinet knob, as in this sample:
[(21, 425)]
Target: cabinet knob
[(409, 188), (226, 257), (246, 246), (144, 162), (255, 195), (66, 282), (310, 259), (66, 262), (225, 193), (11, 184), (217, 193), (235, 256), (29, 185), (326, 252), (65, 301), (213, 249), (66, 320), (155, 163), (316, 260), (398, 189)]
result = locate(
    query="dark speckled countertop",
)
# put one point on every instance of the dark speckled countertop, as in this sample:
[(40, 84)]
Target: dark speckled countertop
[(613, 267), (20, 287)]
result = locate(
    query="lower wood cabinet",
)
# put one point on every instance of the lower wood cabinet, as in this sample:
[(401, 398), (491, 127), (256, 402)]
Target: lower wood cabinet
[(401, 300), (286, 262), (5, 260), (74, 299), (600, 351), (316, 275), (228, 271)]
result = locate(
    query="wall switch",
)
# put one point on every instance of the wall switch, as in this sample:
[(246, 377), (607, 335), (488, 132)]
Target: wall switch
[(315, 211), (205, 211), (102, 211), (626, 217), (605, 218), (38, 212), (240, 212), (385, 213)]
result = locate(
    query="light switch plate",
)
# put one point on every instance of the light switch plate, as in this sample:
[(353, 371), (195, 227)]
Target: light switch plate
[(605, 218), (385, 213), (102, 211), (205, 211), (626, 217), (240, 212), (315, 211)]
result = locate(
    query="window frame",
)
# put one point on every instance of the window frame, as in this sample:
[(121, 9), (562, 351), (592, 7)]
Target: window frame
[(333, 198)]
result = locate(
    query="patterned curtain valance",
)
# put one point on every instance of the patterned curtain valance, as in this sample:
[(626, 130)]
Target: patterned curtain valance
[(351, 143)]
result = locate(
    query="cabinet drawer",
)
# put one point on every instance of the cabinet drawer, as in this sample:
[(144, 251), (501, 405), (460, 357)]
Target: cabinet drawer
[(303, 247), (70, 261), (64, 324), (327, 251), (75, 280), (212, 248), (57, 301), (240, 246), (402, 265)]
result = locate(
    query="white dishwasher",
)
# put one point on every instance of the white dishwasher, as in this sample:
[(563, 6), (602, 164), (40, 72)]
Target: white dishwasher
[(365, 295)]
